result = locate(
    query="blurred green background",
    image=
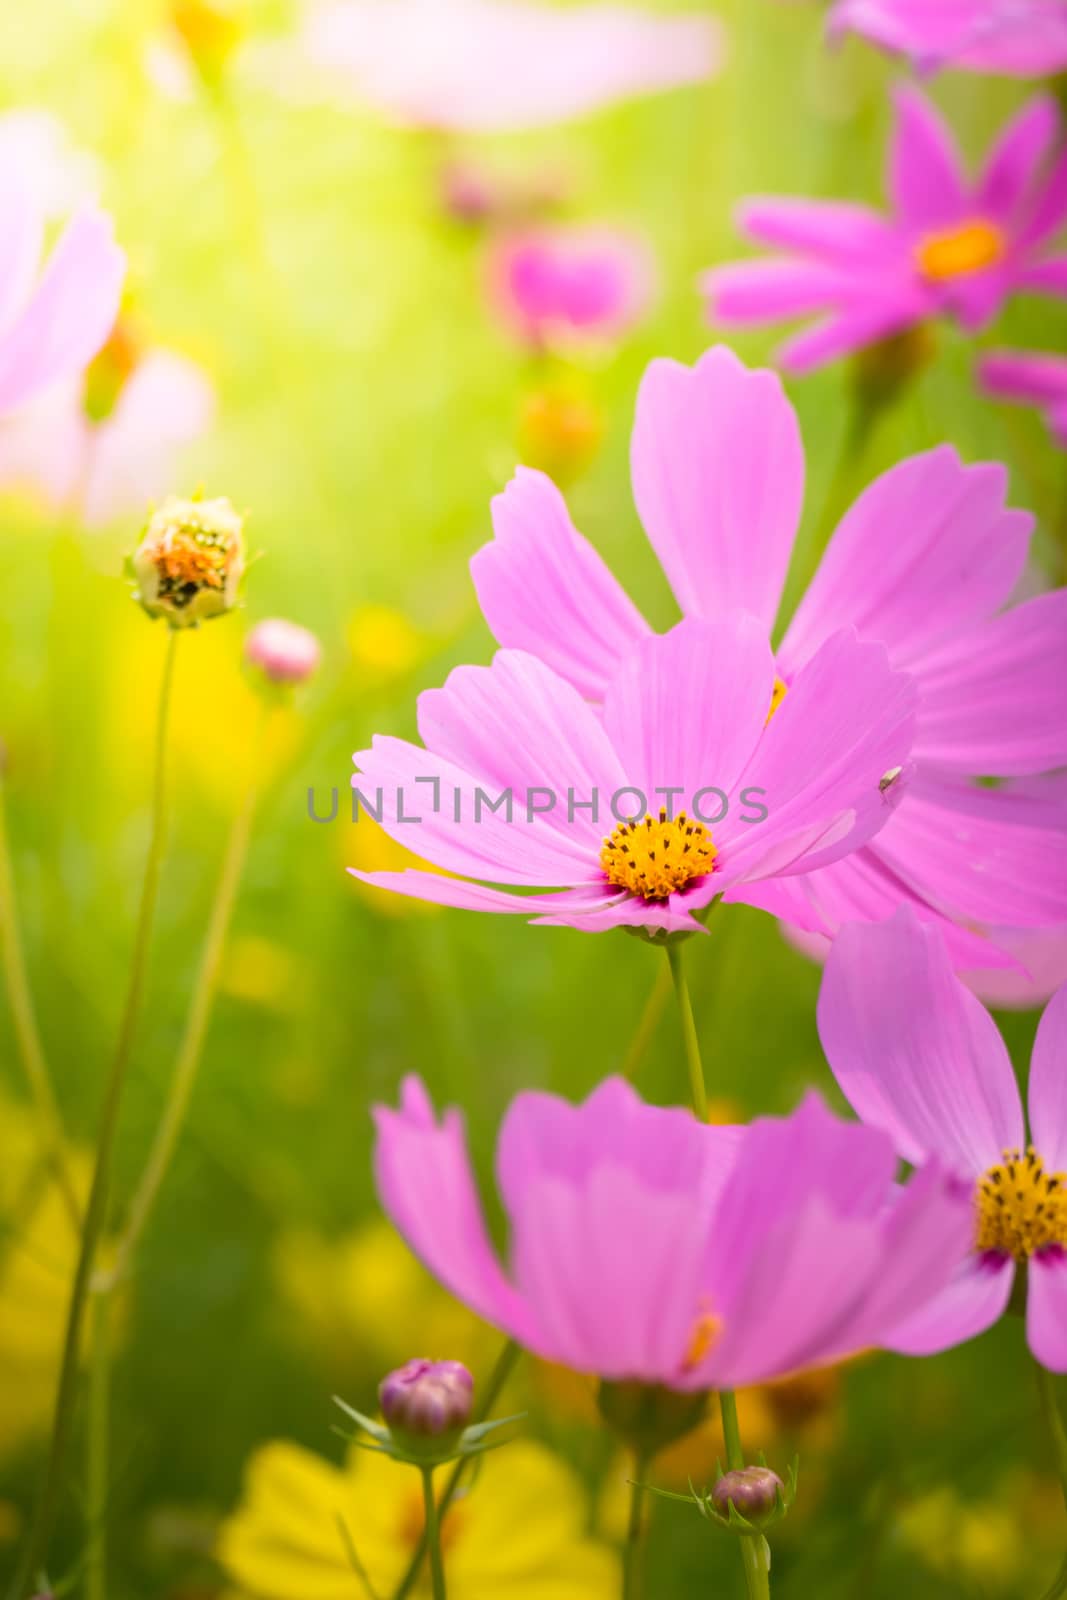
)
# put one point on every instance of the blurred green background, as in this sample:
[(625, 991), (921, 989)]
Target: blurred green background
[(367, 412)]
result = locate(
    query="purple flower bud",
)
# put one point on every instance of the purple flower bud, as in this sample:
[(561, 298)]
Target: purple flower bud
[(286, 652), (427, 1399), (753, 1491)]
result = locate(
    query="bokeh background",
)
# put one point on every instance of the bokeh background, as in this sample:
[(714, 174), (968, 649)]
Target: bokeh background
[(368, 408)]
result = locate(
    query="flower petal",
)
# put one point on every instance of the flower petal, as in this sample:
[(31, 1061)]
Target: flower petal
[(718, 476), (926, 180), (543, 588), (1046, 1308), (1048, 1084), (933, 1072), (1014, 163), (745, 293), (976, 1298), (830, 228), (927, 549)]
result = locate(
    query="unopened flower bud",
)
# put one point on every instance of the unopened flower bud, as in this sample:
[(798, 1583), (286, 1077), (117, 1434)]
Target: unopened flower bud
[(881, 371), (752, 1491), (284, 651), (560, 431), (427, 1400), (189, 564)]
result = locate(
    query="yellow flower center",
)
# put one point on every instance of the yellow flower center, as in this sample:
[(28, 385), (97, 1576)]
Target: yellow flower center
[(706, 1331), (653, 859), (778, 694), (956, 252), (1021, 1207)]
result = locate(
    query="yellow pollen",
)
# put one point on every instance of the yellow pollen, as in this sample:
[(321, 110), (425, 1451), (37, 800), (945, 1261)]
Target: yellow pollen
[(653, 859), (197, 555), (706, 1331), (778, 694), (1021, 1207), (957, 252)]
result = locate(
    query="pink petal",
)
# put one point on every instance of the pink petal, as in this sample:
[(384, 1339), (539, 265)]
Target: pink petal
[(458, 892), (927, 549), (994, 700), (1046, 1308), (69, 314), (846, 720), (517, 725), (688, 708), (926, 181), (1016, 159), (1050, 208), (856, 327), (834, 229), (718, 475), (21, 237), (987, 856), (933, 1072), (424, 1180), (1048, 1084), (1025, 375), (543, 588), (976, 1298), (1044, 277), (748, 293)]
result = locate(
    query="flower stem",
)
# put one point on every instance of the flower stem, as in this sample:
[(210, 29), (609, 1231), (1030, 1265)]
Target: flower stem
[(1054, 1422), (757, 1577), (192, 1044), (24, 1019), (499, 1376), (96, 1210), (698, 1094), (98, 1438), (636, 1530), (647, 1025), (433, 1536)]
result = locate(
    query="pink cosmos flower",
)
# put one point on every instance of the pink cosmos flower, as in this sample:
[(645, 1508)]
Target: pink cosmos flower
[(1012, 38), (1031, 378), (684, 733), (648, 1246), (51, 326), (488, 66), (284, 651), (951, 246), (917, 1055), (924, 562), (104, 466), (568, 285)]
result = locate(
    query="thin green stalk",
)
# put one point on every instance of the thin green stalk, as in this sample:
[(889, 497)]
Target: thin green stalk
[(698, 1094), (649, 1022), (433, 1535), (1053, 1422), (98, 1447), (192, 1044), (636, 1530), (24, 1019), (757, 1578), (505, 1363), (96, 1211)]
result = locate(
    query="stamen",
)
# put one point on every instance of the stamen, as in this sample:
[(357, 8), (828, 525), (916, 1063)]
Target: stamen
[(778, 694), (957, 252), (1021, 1207), (706, 1331), (653, 859)]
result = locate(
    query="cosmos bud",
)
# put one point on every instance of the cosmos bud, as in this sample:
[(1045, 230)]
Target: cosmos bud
[(560, 431), (189, 564), (752, 1491), (428, 1401), (284, 651)]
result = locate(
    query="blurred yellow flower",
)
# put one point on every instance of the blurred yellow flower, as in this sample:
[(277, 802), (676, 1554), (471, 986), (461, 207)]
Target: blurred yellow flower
[(980, 1541), (385, 644), (262, 972), (336, 1289), (560, 430), (517, 1531)]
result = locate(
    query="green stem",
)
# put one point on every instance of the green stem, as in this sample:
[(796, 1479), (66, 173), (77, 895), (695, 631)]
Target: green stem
[(96, 1210), (757, 1577), (98, 1442), (192, 1044), (433, 1535), (698, 1094), (24, 1018), (649, 1022), (1050, 1410), (1059, 1585), (636, 1529), (499, 1376)]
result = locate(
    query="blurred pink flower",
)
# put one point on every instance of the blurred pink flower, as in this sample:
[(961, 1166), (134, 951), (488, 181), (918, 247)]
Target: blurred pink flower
[(51, 326), (485, 66), (1013, 38), (104, 468), (1033, 379), (648, 1246), (951, 246), (917, 1055), (923, 562), (285, 651), (685, 715), (569, 285)]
